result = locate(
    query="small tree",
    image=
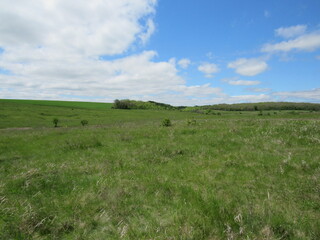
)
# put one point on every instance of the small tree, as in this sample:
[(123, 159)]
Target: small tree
[(84, 122), (55, 122)]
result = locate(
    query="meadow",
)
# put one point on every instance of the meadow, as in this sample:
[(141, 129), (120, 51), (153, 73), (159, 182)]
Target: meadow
[(232, 175)]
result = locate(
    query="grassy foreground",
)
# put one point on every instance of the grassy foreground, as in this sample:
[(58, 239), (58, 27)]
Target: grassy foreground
[(229, 176)]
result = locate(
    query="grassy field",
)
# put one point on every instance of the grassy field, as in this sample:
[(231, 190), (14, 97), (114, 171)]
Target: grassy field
[(124, 176)]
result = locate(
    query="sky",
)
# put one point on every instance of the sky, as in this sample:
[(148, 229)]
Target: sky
[(181, 52)]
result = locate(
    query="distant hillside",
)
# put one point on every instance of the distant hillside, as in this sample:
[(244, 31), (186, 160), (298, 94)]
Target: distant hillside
[(260, 106), (132, 104), (67, 104)]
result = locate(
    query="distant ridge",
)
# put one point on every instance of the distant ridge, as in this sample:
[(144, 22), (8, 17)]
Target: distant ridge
[(263, 106), (133, 104)]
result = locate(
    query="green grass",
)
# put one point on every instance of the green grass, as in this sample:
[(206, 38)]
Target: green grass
[(124, 176), (67, 104)]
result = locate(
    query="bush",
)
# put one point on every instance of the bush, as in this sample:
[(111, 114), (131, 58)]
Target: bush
[(84, 122), (55, 122), (192, 122), (123, 104), (166, 123)]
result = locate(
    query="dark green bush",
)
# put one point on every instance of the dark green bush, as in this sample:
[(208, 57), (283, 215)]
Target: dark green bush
[(55, 122), (84, 122), (166, 123), (123, 104)]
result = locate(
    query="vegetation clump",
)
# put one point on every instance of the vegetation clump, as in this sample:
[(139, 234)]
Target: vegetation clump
[(166, 122), (84, 122), (55, 122), (192, 122), (132, 104)]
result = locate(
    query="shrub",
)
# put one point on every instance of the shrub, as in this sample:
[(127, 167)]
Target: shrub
[(123, 104), (84, 122), (192, 122), (166, 123), (55, 122)]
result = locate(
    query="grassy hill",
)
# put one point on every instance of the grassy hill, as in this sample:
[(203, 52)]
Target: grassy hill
[(67, 104), (124, 176), (261, 106)]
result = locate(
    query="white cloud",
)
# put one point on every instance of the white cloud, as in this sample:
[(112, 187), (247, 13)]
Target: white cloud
[(305, 95), (248, 67), (208, 69), (289, 32), (87, 27), (259, 89), (184, 63), (52, 50), (243, 82), (307, 42), (250, 98), (201, 90), (135, 77), (137, 74), (150, 28), (242, 99)]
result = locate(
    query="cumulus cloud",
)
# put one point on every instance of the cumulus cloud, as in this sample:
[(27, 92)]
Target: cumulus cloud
[(208, 69), (52, 50), (307, 42), (248, 67), (137, 74), (184, 63), (138, 77), (87, 27), (289, 32)]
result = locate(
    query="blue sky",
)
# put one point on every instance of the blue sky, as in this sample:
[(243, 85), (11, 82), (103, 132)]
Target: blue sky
[(178, 52)]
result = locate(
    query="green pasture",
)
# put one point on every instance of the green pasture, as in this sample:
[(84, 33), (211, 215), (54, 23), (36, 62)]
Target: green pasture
[(124, 176)]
